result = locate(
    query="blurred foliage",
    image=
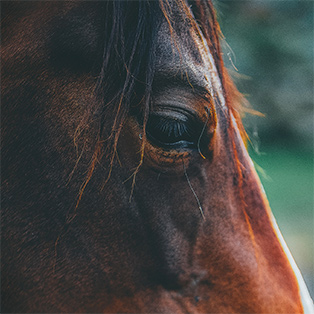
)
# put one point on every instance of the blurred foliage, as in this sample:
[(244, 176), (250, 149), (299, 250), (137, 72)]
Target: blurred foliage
[(269, 50), (272, 46), (287, 177)]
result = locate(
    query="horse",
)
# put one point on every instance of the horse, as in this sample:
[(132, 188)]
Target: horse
[(126, 182)]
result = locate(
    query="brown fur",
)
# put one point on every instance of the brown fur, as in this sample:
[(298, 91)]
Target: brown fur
[(98, 218)]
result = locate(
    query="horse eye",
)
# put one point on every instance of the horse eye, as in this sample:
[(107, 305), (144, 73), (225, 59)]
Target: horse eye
[(171, 133)]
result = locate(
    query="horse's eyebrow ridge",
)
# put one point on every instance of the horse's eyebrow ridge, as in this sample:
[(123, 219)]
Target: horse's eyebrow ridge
[(179, 78)]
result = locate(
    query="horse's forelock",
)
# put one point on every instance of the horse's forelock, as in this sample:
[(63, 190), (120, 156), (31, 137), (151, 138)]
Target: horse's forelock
[(129, 56), (131, 29), (126, 74)]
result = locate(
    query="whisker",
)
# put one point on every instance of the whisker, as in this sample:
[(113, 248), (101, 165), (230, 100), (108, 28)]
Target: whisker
[(193, 191), (203, 130)]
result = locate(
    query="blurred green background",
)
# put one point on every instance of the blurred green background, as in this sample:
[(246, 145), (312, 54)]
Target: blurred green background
[(269, 50)]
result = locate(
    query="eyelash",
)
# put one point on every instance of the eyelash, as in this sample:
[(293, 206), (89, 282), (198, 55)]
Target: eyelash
[(172, 133)]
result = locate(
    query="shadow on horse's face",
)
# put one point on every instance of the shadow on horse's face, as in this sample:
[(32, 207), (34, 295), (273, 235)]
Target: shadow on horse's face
[(127, 186)]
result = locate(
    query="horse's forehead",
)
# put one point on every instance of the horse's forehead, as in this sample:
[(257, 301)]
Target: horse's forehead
[(184, 50)]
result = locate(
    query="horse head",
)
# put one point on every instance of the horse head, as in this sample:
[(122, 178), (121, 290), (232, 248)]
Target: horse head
[(127, 186)]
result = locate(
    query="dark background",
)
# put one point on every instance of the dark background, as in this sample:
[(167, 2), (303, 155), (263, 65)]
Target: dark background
[(269, 50)]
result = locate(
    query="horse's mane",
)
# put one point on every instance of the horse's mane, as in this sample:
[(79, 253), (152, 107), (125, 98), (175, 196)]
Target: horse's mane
[(129, 54)]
